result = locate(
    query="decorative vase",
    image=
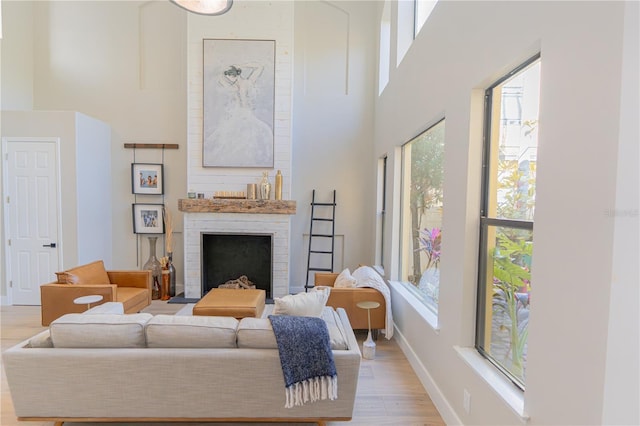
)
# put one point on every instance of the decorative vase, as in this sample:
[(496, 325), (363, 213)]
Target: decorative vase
[(265, 186), (153, 264), (164, 293), (172, 275), (278, 195)]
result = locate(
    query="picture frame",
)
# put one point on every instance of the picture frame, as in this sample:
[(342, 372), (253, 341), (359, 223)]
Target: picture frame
[(147, 218), (147, 178), (238, 103)]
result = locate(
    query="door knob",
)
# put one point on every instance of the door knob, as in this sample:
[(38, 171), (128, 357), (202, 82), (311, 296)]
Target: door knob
[(52, 245)]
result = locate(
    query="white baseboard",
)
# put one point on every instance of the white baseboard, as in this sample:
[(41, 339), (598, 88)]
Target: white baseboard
[(444, 408), (4, 301)]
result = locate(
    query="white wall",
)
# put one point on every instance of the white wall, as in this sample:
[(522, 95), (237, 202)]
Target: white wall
[(93, 183), (463, 47), (622, 388), (125, 63), (86, 219), (335, 57), (17, 55)]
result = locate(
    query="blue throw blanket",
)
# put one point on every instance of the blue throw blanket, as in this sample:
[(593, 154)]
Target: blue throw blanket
[(306, 359)]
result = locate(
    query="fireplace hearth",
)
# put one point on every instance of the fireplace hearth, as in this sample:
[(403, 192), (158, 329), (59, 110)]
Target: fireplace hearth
[(227, 257)]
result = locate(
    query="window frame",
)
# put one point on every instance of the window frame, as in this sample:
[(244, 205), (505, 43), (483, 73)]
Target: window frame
[(486, 222), (421, 298)]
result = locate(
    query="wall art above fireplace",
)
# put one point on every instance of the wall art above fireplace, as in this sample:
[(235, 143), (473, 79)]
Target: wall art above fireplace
[(238, 103)]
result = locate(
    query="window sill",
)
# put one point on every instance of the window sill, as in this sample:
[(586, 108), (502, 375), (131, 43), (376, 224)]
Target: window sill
[(426, 313), (510, 393)]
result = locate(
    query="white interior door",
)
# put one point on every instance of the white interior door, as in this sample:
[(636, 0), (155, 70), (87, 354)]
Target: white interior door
[(31, 210)]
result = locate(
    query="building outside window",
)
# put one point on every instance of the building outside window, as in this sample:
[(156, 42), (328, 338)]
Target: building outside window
[(422, 204), (506, 223)]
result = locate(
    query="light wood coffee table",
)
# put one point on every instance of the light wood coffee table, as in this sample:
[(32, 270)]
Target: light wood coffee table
[(228, 302)]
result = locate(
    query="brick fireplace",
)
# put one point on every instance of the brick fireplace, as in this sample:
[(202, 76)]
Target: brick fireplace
[(197, 224), (200, 218)]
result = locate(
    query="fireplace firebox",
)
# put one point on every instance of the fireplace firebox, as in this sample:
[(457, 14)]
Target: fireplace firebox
[(229, 256)]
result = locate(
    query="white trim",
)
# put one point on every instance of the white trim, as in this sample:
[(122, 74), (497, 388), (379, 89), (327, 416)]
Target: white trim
[(445, 409), (429, 316), (503, 387)]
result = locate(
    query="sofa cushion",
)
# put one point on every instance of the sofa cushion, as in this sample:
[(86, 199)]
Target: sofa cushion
[(131, 296), (99, 331), (91, 273), (345, 280), (170, 331), (337, 334), (41, 340), (106, 308), (308, 304), (257, 333)]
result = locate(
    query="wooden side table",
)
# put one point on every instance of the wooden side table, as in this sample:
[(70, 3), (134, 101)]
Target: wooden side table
[(368, 346)]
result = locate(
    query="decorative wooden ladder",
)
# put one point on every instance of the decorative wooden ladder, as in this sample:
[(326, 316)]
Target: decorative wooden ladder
[(318, 255)]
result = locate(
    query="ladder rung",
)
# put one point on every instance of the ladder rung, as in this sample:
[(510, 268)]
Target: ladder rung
[(322, 235), (321, 269), (320, 251), (323, 204), (322, 218)]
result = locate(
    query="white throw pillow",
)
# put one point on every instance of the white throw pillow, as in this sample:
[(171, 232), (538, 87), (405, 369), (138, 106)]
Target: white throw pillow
[(366, 276), (345, 280), (302, 304)]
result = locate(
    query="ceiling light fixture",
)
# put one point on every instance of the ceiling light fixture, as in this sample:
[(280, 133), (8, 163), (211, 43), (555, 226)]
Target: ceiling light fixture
[(205, 7)]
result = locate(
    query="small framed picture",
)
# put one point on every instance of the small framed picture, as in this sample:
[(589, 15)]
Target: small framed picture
[(146, 178), (147, 219)]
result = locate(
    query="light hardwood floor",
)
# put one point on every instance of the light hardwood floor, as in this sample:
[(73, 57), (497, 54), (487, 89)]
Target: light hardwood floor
[(389, 393)]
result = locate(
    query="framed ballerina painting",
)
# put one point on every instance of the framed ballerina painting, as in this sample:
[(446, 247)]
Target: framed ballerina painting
[(238, 103)]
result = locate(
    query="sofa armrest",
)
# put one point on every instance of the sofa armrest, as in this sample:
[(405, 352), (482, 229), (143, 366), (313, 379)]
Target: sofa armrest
[(57, 299), (138, 279)]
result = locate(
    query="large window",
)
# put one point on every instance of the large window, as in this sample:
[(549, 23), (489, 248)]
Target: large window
[(382, 210), (506, 223), (422, 197), (385, 47), (423, 10)]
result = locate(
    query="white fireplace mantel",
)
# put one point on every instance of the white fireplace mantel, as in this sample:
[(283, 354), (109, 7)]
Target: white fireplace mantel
[(196, 224)]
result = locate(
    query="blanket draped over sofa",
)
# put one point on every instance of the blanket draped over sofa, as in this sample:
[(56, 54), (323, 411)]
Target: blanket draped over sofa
[(306, 358)]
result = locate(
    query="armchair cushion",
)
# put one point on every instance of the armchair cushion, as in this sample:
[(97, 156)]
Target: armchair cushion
[(131, 297), (91, 273)]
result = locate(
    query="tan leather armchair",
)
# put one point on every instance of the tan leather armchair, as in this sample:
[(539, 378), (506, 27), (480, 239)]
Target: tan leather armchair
[(131, 288), (348, 298)]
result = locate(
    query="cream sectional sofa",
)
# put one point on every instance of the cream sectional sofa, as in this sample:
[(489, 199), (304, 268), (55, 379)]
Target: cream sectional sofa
[(101, 366)]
